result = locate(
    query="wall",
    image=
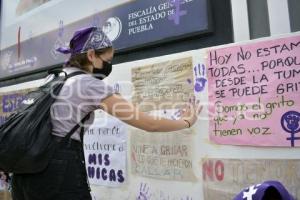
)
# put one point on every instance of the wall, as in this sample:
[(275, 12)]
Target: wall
[(205, 169), (263, 18)]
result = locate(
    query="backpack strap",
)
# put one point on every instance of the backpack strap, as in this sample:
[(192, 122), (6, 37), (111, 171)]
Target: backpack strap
[(68, 136), (77, 126), (74, 74), (82, 154), (72, 131)]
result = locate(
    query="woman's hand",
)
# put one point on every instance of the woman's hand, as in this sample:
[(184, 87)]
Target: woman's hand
[(118, 107), (191, 111)]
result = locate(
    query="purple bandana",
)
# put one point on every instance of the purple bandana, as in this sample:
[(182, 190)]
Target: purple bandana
[(85, 39), (257, 192)]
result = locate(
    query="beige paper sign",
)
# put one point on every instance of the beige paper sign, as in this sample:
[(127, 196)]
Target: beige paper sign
[(163, 85), (225, 178), (165, 156)]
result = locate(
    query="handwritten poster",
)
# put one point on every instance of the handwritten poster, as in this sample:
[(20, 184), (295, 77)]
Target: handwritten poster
[(10, 102), (164, 85), (225, 178), (166, 156), (105, 151), (254, 92)]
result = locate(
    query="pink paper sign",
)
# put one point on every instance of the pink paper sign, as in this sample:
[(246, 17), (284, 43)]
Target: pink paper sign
[(254, 93)]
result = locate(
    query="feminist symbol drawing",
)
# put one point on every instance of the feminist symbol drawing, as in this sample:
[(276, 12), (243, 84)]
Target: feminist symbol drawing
[(290, 123), (178, 12)]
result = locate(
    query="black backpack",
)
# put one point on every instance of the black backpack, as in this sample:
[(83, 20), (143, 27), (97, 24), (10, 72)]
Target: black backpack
[(26, 142)]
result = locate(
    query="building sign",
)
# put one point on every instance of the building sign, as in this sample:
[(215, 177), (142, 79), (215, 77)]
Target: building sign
[(130, 25)]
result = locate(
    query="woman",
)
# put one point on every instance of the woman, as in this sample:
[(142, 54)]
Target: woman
[(65, 178)]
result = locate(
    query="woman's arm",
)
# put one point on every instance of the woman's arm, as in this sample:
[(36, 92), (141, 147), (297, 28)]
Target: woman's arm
[(127, 112)]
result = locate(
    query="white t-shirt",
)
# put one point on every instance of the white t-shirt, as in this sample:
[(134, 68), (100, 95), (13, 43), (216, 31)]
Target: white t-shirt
[(79, 96)]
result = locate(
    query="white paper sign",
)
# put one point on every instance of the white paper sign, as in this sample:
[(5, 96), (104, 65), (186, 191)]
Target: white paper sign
[(105, 151)]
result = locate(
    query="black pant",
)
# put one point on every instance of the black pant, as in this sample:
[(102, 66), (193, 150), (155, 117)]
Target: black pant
[(63, 179)]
